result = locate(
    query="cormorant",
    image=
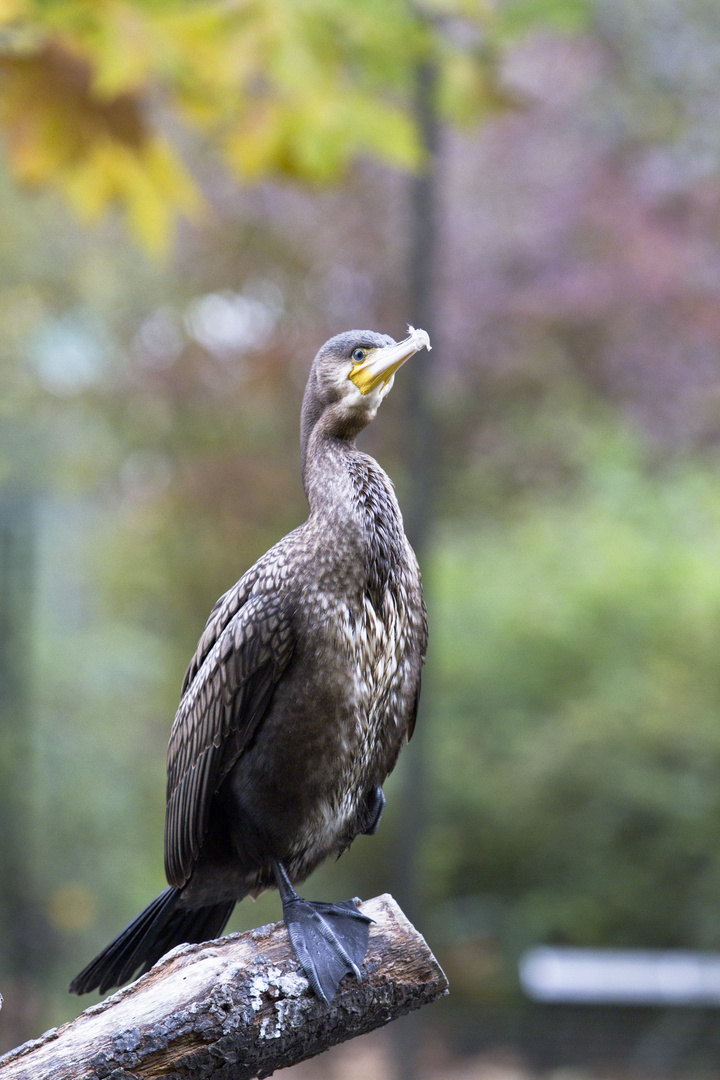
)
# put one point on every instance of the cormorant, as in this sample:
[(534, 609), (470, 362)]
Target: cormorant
[(302, 690)]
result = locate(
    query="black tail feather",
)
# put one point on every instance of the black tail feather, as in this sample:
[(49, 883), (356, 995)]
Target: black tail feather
[(156, 930), (202, 924)]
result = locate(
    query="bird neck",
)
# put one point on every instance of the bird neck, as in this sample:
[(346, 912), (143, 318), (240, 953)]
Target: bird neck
[(327, 477), (353, 502)]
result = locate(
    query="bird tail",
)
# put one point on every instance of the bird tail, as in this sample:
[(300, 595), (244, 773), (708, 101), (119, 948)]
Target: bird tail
[(156, 930)]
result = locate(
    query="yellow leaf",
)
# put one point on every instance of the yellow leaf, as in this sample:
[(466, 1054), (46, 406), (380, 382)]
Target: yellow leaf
[(124, 50), (254, 147), (91, 183), (171, 178), (12, 10), (150, 184)]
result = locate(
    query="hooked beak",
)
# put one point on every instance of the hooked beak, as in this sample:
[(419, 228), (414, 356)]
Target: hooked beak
[(379, 365)]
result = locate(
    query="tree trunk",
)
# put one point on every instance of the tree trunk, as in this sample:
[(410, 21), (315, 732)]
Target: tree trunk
[(235, 1008), (422, 443)]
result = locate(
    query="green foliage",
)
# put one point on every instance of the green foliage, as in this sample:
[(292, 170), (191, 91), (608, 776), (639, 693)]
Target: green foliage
[(577, 693), (516, 16), (291, 88)]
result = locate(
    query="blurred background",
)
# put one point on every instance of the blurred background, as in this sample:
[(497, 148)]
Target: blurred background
[(193, 197)]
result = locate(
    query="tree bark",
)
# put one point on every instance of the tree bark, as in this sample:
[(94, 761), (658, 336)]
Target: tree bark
[(235, 1008)]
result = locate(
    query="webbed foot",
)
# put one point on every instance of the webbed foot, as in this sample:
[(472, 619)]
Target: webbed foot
[(330, 940)]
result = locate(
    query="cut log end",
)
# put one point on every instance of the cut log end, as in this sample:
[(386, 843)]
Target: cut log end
[(239, 1007)]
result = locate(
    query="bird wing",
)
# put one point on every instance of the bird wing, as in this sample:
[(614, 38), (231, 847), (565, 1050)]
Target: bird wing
[(226, 607), (420, 627), (246, 646)]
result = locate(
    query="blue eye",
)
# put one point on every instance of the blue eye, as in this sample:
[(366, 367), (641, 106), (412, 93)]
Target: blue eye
[(358, 356)]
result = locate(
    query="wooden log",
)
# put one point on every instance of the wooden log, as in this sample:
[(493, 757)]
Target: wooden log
[(235, 1009)]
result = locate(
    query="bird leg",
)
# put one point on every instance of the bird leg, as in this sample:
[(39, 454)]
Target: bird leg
[(376, 805), (330, 940)]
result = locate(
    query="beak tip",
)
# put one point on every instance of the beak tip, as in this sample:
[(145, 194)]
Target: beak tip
[(420, 338)]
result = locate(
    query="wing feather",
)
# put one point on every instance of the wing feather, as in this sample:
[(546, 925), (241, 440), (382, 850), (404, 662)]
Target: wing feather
[(246, 646), (226, 607), (422, 644)]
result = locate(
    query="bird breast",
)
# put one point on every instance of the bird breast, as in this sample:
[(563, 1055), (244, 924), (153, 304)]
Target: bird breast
[(372, 644), (359, 658)]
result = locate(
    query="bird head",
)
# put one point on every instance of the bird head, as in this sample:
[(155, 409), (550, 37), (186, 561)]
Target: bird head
[(351, 375), (374, 363), (349, 378)]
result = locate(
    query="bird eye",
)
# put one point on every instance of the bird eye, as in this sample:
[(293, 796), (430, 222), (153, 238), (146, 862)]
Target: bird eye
[(358, 356)]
